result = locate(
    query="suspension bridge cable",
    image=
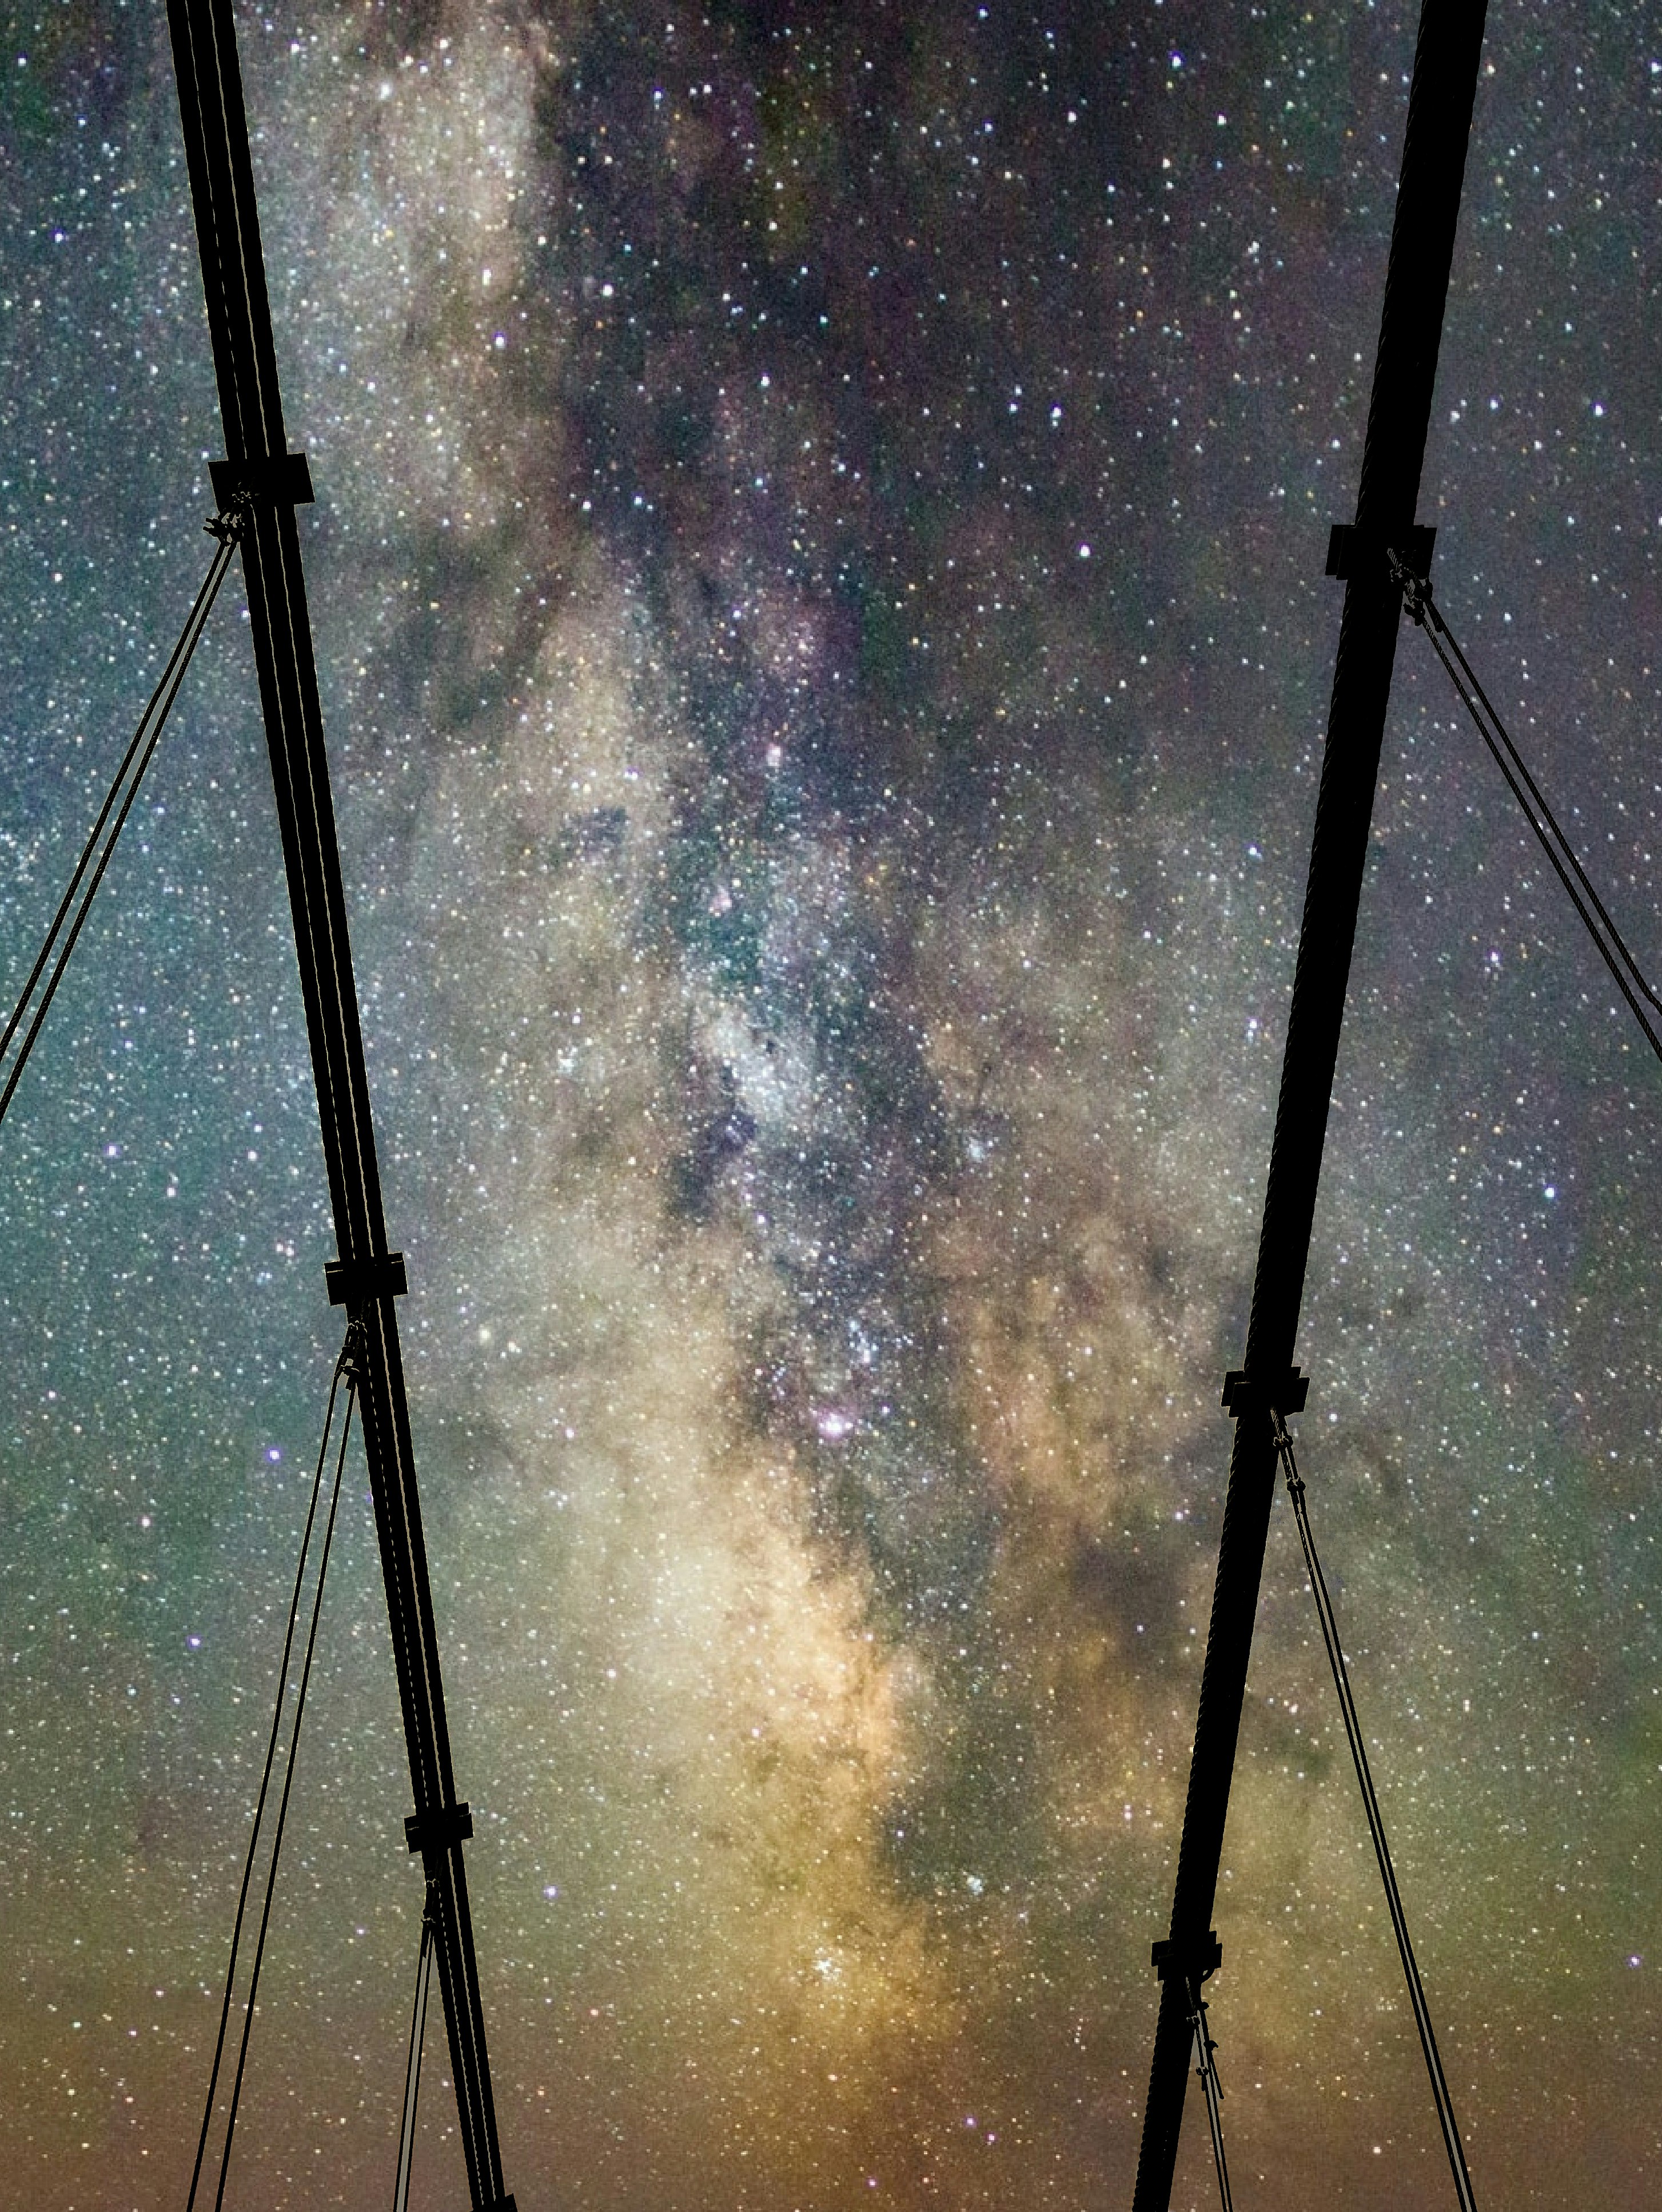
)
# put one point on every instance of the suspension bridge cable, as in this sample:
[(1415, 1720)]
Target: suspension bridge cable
[(345, 1370), (1611, 945), (227, 528), (1353, 1728)]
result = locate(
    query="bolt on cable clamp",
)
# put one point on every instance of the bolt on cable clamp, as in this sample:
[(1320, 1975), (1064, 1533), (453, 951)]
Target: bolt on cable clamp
[(1416, 589), (1192, 1957), (232, 519), (1244, 1393), (350, 1365)]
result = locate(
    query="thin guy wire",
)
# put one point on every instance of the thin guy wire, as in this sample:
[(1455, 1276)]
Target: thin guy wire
[(265, 1783), (289, 1773), (1207, 2071), (1353, 1728), (167, 691), (1623, 968), (413, 2070), (1439, 630), (210, 585)]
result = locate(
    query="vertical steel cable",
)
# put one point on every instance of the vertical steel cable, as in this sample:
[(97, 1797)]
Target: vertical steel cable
[(1441, 95)]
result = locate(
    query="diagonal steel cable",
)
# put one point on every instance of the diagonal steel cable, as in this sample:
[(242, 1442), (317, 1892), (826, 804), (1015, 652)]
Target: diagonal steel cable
[(227, 529), (1353, 1728), (1595, 916), (346, 1371)]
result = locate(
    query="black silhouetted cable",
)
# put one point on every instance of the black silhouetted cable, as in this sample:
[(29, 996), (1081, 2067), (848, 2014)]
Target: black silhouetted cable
[(346, 1371), (1447, 63), (227, 529), (1595, 916), (369, 1277), (417, 2035), (1206, 2068), (1353, 1728)]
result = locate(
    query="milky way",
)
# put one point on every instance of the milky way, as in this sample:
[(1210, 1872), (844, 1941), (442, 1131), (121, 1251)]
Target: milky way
[(817, 584)]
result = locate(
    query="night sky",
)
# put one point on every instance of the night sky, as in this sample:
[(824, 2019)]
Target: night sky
[(817, 577)]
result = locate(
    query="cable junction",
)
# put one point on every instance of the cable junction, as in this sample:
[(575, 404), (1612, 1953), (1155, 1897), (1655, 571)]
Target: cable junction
[(1611, 945), (1185, 1965), (348, 1371), (1353, 1728), (227, 527)]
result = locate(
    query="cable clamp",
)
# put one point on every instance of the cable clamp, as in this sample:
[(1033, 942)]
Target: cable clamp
[(1352, 551), (1243, 1392), (353, 1283), (432, 1833), (279, 479), (234, 515), (1196, 1958), (354, 1352), (1415, 590)]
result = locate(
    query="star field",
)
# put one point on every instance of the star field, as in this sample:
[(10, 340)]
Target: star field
[(817, 577)]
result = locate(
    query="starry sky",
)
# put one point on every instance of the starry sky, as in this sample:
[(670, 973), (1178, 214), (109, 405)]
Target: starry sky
[(817, 577)]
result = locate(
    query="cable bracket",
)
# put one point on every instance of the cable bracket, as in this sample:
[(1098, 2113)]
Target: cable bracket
[(1195, 1958), (233, 518), (1353, 551), (353, 1283), (279, 479), (432, 1833), (1244, 1393)]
